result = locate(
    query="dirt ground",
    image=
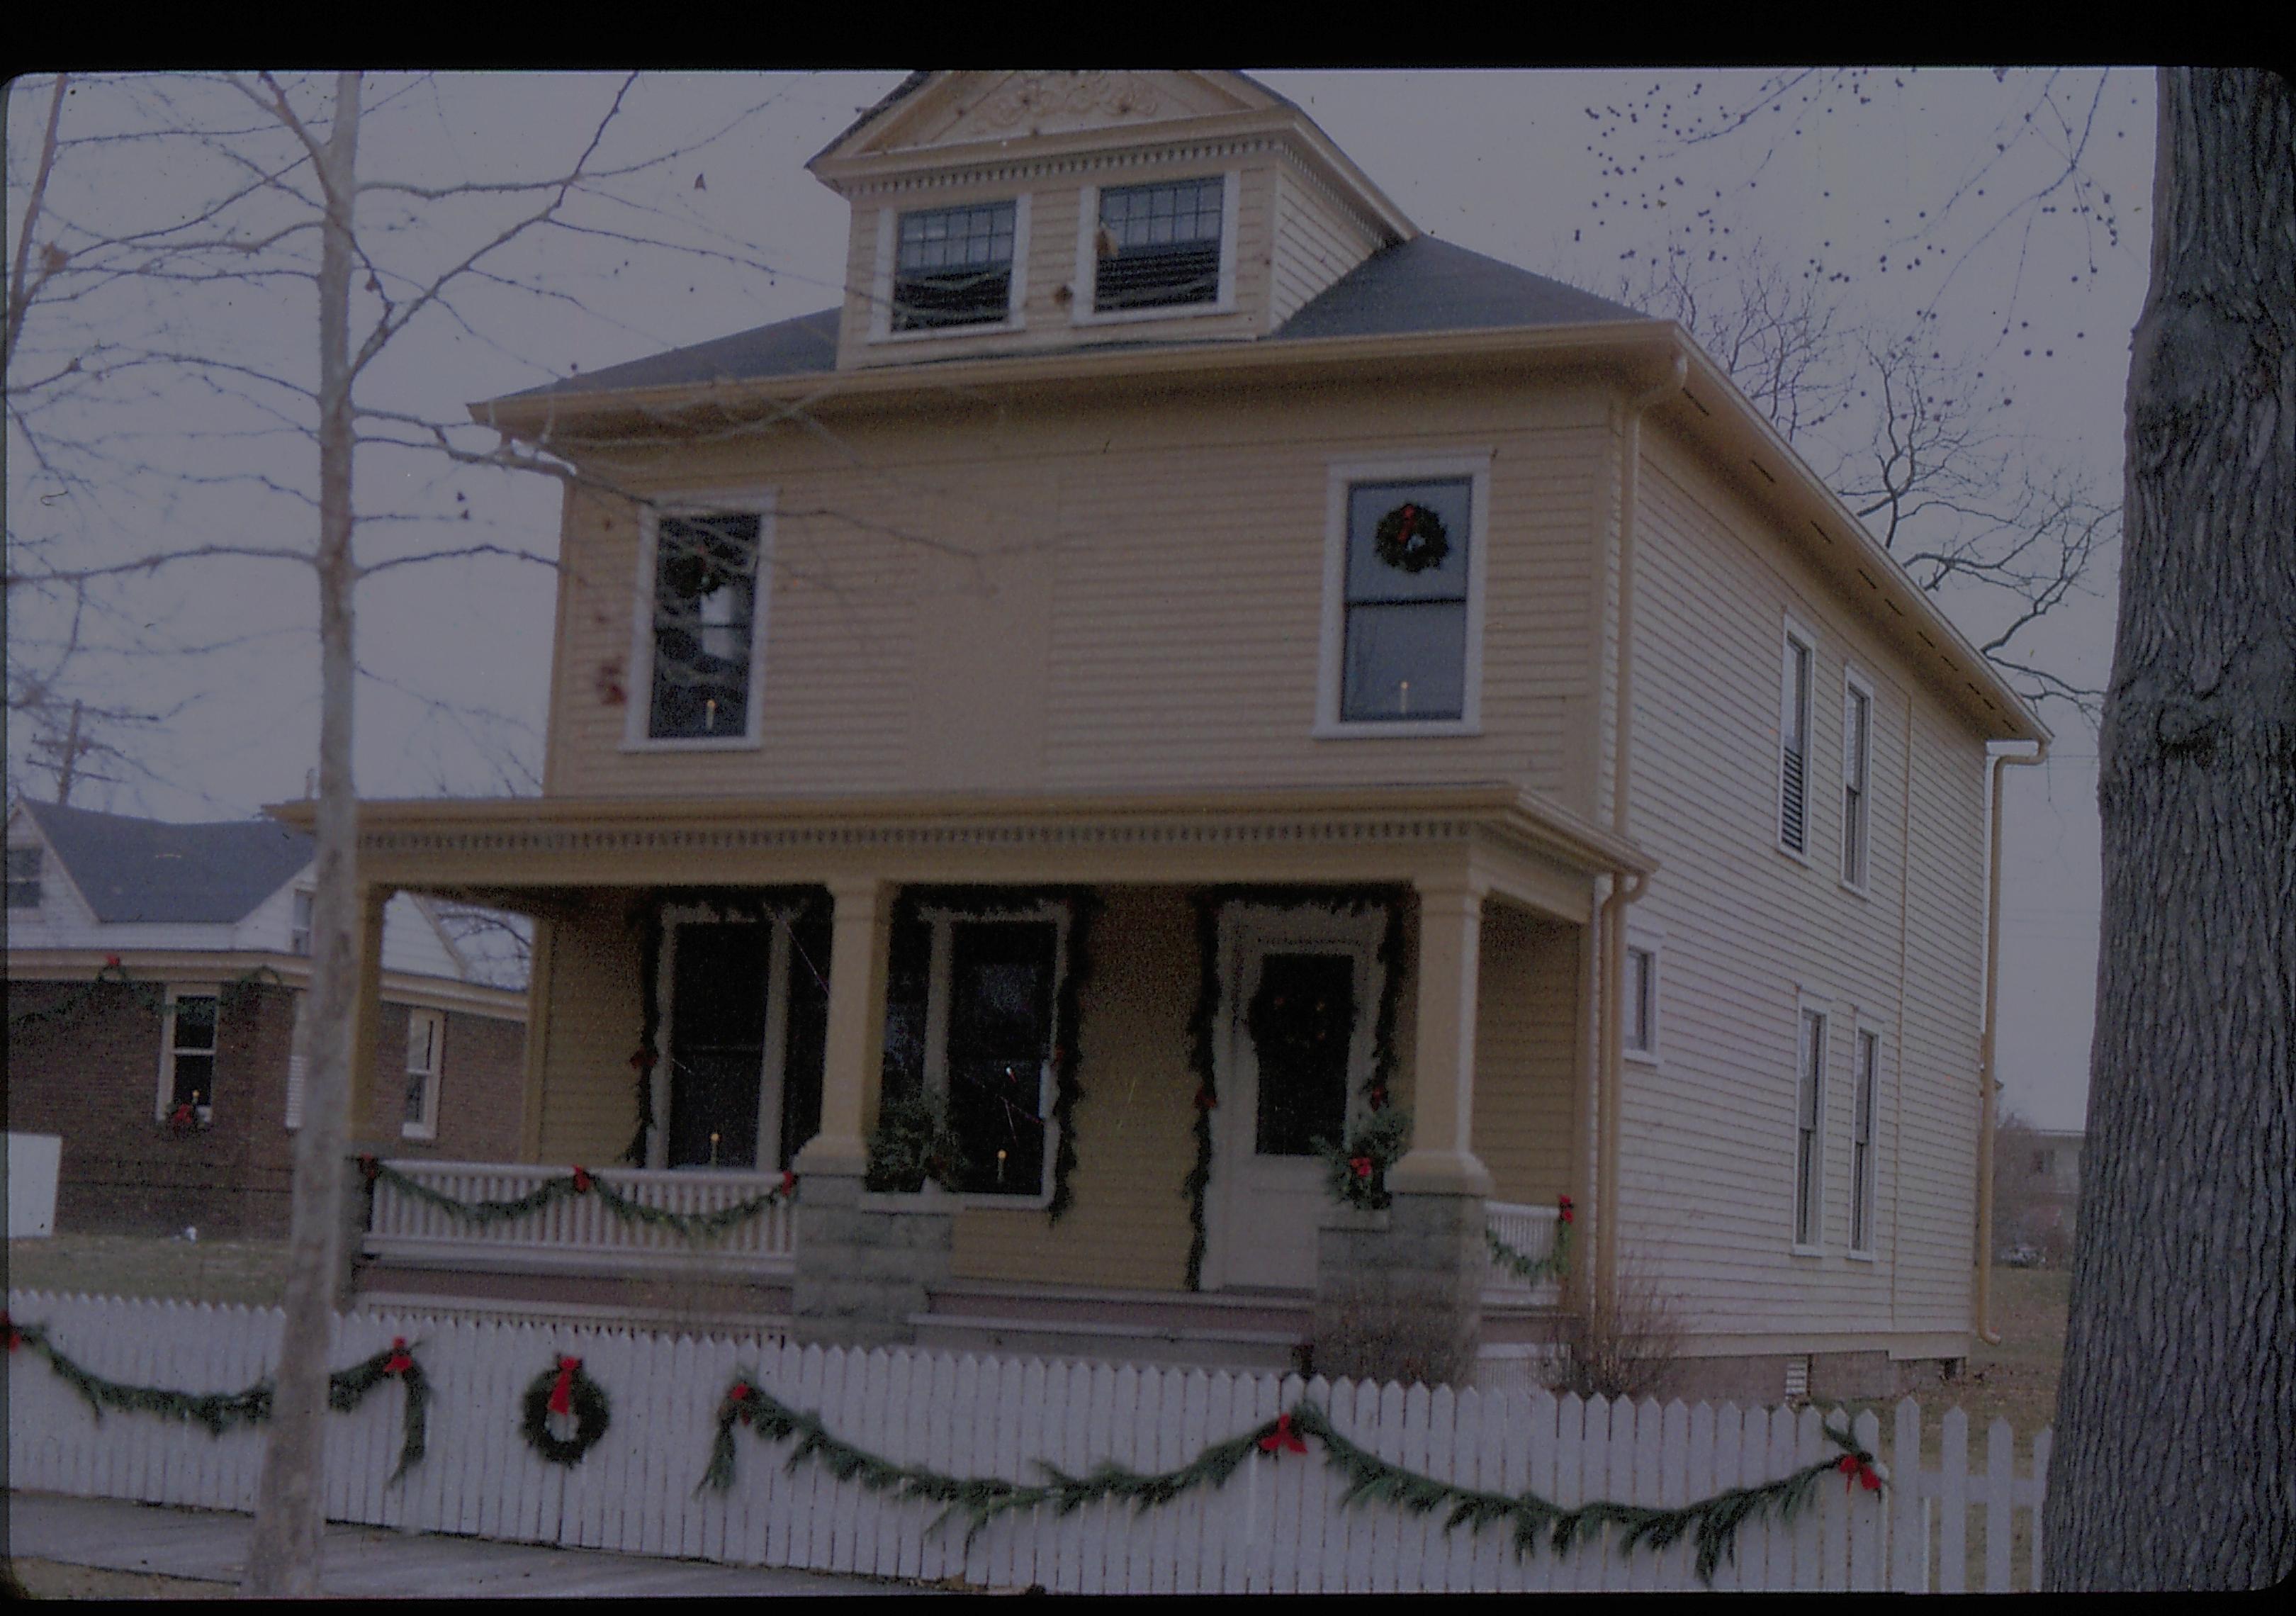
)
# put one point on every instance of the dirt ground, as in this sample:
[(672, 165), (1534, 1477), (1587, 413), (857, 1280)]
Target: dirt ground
[(249, 1272), (46, 1579)]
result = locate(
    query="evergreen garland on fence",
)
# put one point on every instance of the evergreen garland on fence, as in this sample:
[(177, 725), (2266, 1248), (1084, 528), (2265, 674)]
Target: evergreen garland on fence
[(1201, 1043), (1712, 1524), (581, 1181), (220, 1411)]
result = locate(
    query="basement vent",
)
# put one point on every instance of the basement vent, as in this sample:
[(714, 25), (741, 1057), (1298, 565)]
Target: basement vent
[(1798, 1375)]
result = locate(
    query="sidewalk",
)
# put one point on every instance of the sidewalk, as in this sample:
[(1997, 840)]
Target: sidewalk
[(371, 1562)]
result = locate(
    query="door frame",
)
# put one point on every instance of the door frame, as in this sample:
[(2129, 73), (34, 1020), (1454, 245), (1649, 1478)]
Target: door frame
[(1248, 932), (770, 1069)]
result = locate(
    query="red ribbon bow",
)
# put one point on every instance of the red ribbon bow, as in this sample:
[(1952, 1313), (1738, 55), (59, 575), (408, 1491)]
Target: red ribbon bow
[(1283, 1439), (369, 1169), (562, 1394), (398, 1362), (788, 1184), (1206, 1100), (182, 1117), (739, 1396), (1378, 1099), (14, 1340), (1856, 1472), (1362, 1165), (1563, 1208), (643, 1061), (111, 962), (581, 1185)]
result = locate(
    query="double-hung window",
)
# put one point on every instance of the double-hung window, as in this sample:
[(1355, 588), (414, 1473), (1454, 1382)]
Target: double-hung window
[(953, 266), (24, 878), (1403, 618), (1795, 737), (299, 930), (705, 596), (971, 1004), (1862, 1156), (426, 1037), (1158, 246), (1641, 999), (1857, 773), (1809, 1132), (190, 1051)]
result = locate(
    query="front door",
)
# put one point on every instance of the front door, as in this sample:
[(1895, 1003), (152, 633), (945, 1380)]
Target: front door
[(716, 1043), (1299, 1034)]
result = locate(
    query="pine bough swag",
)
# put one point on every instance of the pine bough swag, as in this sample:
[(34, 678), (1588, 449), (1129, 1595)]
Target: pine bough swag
[(1711, 1523), (581, 1181), (220, 1411)]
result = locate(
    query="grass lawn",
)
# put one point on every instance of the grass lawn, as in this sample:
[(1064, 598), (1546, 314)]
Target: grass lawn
[(251, 1272)]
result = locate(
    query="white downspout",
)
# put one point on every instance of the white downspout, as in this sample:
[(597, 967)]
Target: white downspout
[(1623, 892), (1996, 761)]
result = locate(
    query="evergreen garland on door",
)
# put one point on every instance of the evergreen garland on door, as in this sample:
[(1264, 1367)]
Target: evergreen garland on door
[(1712, 1524), (1372, 1141), (218, 1412)]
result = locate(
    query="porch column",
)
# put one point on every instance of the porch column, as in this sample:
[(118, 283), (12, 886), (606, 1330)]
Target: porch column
[(853, 1061), (1442, 1160)]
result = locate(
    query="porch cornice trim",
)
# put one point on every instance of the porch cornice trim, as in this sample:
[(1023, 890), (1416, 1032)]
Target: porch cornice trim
[(396, 832)]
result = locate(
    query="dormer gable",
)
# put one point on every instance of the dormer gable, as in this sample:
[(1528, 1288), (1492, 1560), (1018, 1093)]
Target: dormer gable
[(1012, 212)]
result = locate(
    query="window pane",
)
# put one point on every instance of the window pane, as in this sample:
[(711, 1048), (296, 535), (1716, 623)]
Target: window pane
[(1000, 1035), (1302, 1021), (1371, 504), (908, 978), (1405, 660), (808, 1048), (1160, 245), (717, 1044), (954, 267), (194, 1079), (418, 1090), (195, 1023), (705, 597)]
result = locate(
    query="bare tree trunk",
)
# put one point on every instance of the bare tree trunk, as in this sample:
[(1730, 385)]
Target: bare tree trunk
[(2176, 1457), (284, 1559)]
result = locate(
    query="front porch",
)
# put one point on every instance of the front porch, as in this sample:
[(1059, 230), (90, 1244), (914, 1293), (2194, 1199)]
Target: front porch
[(1147, 1033)]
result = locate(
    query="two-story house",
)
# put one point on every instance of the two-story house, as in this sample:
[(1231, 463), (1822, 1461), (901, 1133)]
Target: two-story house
[(157, 980), (1177, 672)]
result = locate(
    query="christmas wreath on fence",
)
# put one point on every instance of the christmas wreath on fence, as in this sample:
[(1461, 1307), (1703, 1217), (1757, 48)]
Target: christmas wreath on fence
[(1411, 538), (564, 1413)]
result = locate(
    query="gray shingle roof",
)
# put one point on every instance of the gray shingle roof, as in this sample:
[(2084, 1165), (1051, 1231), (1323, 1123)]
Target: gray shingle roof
[(146, 870), (1421, 284)]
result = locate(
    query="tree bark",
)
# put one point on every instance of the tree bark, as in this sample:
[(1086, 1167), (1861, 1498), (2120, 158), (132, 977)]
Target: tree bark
[(283, 1557), (2176, 1457)]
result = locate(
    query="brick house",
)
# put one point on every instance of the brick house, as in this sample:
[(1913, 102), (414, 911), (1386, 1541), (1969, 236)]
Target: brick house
[(155, 976)]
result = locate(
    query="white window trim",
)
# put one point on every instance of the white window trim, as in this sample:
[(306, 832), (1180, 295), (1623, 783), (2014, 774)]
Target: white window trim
[(1863, 1028), (881, 295), (1651, 940), (428, 1126), (1341, 474), (305, 933), (1088, 259), (1806, 1004), (772, 1068), (164, 1098), (1855, 684), (1795, 634), (639, 692), (938, 978)]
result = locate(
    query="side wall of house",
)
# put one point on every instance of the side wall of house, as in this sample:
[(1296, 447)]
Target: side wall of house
[(1318, 239), (1751, 935), (1526, 1062), (589, 1089)]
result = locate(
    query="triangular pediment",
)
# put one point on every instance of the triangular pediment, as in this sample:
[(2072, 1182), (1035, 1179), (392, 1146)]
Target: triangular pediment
[(965, 109)]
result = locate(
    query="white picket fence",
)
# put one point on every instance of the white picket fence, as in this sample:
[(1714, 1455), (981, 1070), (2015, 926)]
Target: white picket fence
[(1275, 1525)]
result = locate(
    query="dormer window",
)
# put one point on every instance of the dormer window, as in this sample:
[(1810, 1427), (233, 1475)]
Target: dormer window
[(954, 267), (704, 649), (24, 878), (1158, 246)]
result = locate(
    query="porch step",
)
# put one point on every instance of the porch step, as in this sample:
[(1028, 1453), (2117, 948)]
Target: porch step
[(1095, 1341)]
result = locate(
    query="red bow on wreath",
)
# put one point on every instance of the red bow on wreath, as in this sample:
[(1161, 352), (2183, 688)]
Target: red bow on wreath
[(1857, 1472), (561, 1421), (1362, 1165), (789, 1183), (1283, 1439), (739, 1396), (1563, 1208), (398, 1362), (581, 1180)]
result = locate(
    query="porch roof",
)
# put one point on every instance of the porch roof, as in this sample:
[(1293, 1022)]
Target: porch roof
[(500, 850)]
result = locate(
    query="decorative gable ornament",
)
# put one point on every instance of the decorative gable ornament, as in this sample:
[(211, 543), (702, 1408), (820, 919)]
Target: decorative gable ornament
[(1036, 98)]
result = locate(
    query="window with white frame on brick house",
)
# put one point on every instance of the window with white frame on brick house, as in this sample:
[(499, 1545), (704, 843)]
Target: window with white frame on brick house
[(426, 1037), (706, 589), (298, 929), (952, 266), (1158, 246), (1809, 1133), (1793, 742), (192, 1051)]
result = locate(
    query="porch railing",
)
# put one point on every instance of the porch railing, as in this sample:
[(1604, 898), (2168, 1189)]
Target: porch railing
[(1529, 1230), (577, 1232)]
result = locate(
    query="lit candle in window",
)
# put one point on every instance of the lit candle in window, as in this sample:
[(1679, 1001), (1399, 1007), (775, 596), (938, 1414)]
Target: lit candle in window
[(709, 713), (1000, 1167), (1403, 697), (713, 1150)]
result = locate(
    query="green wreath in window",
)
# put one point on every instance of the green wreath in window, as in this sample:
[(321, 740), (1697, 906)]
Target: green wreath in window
[(1412, 539)]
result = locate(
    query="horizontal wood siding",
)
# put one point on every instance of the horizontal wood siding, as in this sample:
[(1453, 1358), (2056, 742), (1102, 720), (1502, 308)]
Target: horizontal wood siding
[(589, 1089), (1709, 1160), (1317, 241), (1526, 1034), (1090, 599)]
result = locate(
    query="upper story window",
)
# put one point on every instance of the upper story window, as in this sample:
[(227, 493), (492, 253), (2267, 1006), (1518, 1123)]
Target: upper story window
[(1856, 770), (1403, 582), (1641, 999), (706, 595), (1793, 741), (426, 1036), (1158, 246), (1863, 1158), (24, 878), (299, 930), (953, 266)]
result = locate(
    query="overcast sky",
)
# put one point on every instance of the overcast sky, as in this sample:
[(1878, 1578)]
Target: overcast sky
[(1881, 199)]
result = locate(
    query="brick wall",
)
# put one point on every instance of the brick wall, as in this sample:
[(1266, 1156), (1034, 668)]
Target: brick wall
[(481, 1088)]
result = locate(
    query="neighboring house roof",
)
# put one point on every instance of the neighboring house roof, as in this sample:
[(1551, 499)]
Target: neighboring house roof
[(145, 870), (1422, 284)]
